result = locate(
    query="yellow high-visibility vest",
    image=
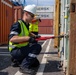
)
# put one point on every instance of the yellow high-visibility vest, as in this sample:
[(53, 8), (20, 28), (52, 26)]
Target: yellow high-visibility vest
[(24, 32), (33, 27)]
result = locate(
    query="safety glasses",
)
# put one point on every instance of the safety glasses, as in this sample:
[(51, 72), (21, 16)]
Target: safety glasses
[(32, 15)]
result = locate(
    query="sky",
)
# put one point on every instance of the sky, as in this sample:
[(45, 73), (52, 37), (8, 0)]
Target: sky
[(39, 2)]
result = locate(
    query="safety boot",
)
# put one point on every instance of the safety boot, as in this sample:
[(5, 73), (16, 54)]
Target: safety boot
[(26, 70), (15, 63)]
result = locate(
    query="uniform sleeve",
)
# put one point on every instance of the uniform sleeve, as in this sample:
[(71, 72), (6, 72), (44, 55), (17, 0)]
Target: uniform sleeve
[(15, 30)]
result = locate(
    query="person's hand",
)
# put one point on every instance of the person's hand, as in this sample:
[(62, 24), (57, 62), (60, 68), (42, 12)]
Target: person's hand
[(32, 40), (53, 37), (37, 36)]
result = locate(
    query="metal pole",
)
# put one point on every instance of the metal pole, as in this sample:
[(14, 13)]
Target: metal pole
[(65, 40)]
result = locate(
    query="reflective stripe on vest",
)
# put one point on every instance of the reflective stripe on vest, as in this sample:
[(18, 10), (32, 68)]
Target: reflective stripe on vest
[(33, 27), (24, 32)]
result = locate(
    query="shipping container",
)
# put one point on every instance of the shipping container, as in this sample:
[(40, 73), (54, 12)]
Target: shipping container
[(64, 28), (6, 20), (46, 26), (45, 30), (17, 13), (46, 23), (45, 8), (46, 15), (11, 14), (67, 46), (72, 46)]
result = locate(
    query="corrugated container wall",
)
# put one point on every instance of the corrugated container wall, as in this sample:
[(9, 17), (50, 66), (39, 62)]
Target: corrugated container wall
[(6, 19), (46, 14), (72, 38), (46, 26), (64, 28), (17, 13)]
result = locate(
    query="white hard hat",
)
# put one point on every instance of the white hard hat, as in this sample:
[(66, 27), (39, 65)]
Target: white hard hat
[(30, 8)]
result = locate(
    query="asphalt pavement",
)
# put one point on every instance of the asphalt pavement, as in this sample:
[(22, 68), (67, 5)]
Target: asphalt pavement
[(48, 58)]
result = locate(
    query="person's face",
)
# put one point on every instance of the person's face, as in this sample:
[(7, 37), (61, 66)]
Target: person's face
[(30, 16)]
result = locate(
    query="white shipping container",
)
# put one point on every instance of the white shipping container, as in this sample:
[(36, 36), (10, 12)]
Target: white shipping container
[(46, 15), (45, 8)]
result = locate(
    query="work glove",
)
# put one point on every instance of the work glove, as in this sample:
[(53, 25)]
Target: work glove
[(53, 37), (37, 36), (32, 40)]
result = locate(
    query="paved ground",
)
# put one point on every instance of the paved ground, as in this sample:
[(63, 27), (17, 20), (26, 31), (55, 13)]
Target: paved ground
[(51, 67), (48, 58)]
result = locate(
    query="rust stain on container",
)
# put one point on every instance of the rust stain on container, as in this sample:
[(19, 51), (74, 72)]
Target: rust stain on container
[(72, 39), (6, 20)]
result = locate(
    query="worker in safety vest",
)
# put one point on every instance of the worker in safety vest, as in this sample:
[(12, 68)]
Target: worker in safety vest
[(34, 25), (22, 53)]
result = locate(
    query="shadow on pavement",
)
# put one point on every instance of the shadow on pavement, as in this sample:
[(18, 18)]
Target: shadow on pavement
[(5, 61), (3, 73), (52, 66)]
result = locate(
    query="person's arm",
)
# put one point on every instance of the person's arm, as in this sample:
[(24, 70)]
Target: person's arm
[(14, 32), (35, 36), (19, 39), (32, 34)]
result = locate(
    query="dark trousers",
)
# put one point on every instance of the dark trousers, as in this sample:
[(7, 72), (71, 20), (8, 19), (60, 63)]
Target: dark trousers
[(22, 54)]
